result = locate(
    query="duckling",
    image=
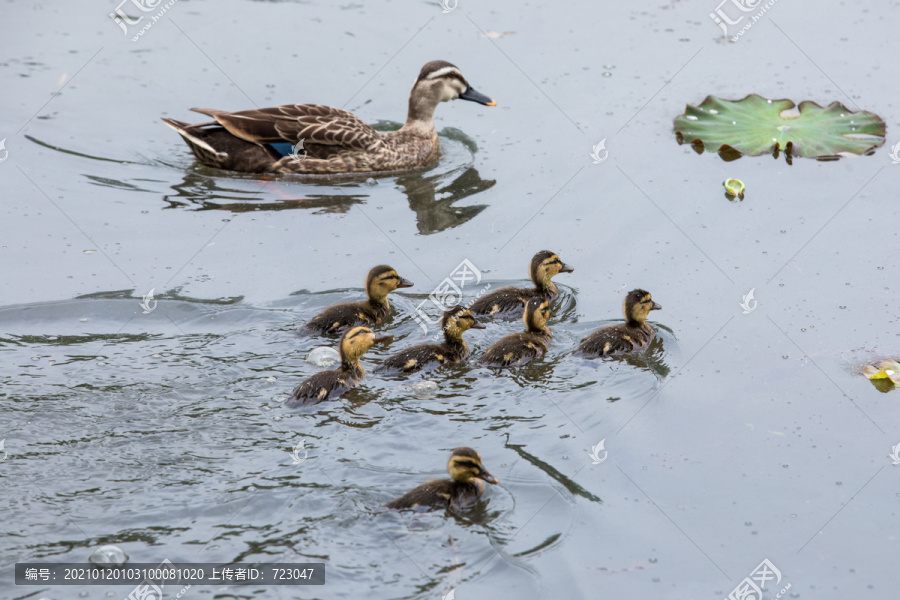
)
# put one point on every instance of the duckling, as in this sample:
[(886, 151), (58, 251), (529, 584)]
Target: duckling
[(461, 492), (520, 348), (331, 384), (454, 321), (635, 334), (380, 281), (544, 265)]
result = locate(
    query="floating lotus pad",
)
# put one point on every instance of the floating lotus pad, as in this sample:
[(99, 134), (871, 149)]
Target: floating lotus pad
[(754, 126)]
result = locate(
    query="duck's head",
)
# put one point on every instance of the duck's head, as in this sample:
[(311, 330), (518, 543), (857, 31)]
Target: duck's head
[(440, 81), (544, 266), (638, 305), (537, 311), (456, 320), (465, 465), (382, 280), (356, 341)]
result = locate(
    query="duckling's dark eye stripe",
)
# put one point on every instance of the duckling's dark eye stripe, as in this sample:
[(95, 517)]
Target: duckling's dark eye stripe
[(386, 277), (360, 332)]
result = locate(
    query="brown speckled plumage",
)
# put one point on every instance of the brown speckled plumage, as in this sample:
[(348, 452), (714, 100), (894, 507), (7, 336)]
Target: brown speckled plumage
[(461, 492), (635, 334), (521, 348), (334, 140), (543, 267), (454, 322), (329, 385), (380, 281)]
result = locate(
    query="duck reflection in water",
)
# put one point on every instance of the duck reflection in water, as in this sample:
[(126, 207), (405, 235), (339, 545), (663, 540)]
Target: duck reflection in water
[(432, 197)]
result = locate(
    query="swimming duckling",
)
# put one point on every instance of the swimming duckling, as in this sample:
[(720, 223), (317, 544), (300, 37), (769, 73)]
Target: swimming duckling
[(461, 492), (331, 384), (454, 321), (381, 281), (544, 266), (520, 348), (635, 334)]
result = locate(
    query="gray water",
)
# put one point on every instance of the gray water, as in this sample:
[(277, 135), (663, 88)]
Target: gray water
[(739, 437)]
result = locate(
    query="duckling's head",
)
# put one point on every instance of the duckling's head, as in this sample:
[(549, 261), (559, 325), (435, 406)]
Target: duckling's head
[(638, 305), (465, 465), (544, 266), (456, 320), (440, 81), (382, 280), (537, 311), (355, 342)]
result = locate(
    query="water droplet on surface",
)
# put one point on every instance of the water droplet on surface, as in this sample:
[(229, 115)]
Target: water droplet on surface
[(424, 386), (371, 182), (89, 251), (109, 555), (323, 356), (607, 74), (271, 379)]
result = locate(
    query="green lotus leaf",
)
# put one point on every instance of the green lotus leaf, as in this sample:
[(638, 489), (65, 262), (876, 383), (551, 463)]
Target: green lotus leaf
[(754, 126)]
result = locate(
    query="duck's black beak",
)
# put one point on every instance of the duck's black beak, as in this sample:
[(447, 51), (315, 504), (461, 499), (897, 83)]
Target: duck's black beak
[(383, 339), (474, 96), (656, 306), (477, 325), (565, 268), (488, 477), (405, 283)]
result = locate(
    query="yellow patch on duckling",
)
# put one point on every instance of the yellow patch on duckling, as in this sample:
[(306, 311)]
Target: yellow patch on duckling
[(410, 363), (607, 346), (322, 393)]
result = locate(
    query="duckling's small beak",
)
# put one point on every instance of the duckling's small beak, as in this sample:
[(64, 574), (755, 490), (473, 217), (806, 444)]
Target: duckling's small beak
[(566, 268), (405, 283), (656, 306), (478, 325), (474, 96), (382, 339), (488, 477)]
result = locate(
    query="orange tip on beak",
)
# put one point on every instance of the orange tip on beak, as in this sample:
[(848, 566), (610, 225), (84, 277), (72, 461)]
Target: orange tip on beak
[(491, 103)]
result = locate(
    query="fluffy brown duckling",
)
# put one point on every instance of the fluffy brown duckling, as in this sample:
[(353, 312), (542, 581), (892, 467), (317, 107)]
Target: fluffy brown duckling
[(454, 322), (331, 384), (520, 348), (635, 334), (461, 492), (544, 266), (381, 281)]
